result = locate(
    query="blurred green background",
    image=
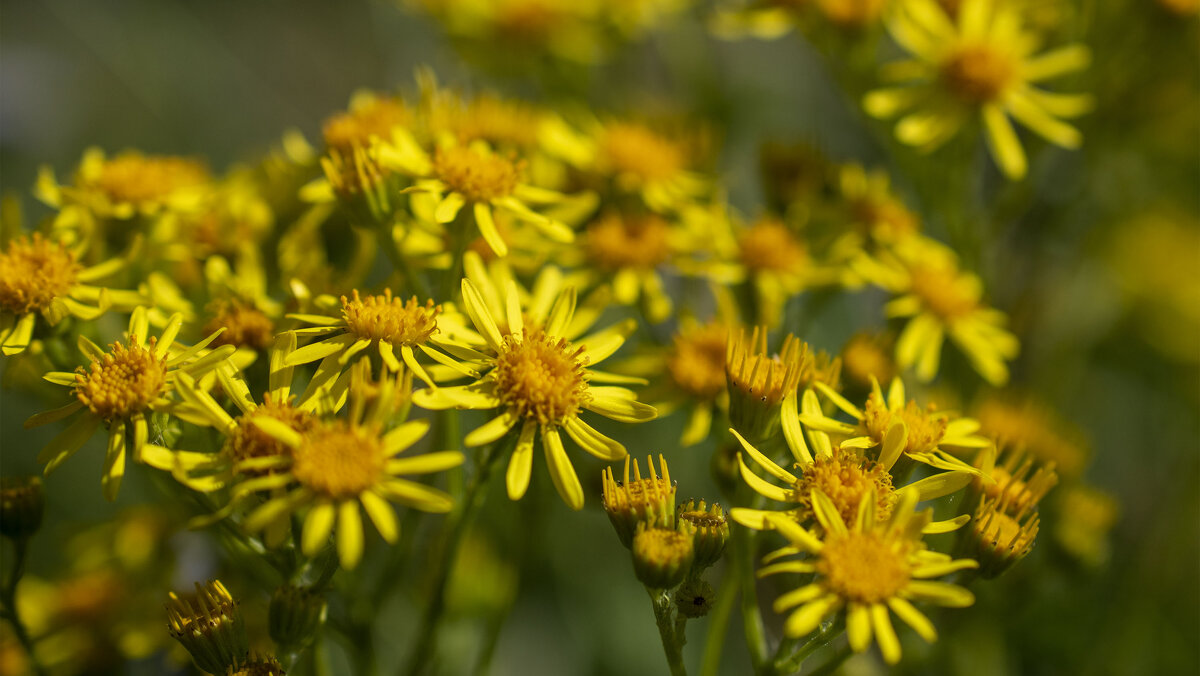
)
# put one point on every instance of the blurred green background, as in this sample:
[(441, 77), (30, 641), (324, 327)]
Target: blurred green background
[(1118, 358)]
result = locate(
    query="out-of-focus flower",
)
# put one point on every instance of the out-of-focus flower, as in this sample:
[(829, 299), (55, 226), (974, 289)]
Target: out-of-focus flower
[(540, 381), (869, 568), (982, 65), (1085, 515), (1033, 428)]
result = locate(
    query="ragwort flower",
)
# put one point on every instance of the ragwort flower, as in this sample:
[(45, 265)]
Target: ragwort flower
[(542, 383)]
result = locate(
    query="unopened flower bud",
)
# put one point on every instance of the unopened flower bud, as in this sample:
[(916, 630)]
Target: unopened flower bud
[(209, 624), (256, 665), (649, 501), (661, 557), (710, 531), (695, 598), (296, 615), (758, 382)]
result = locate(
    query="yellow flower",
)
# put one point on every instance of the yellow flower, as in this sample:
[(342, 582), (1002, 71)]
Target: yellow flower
[(541, 382), (944, 301), (126, 185), (458, 176), (339, 465), (385, 322), (369, 118), (629, 249), (898, 427), (1085, 517), (866, 356), (852, 14), (40, 276), (984, 66), (868, 568), (134, 378), (1033, 428)]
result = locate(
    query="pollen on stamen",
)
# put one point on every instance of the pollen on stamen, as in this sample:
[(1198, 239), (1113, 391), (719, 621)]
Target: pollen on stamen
[(339, 461), (125, 381), (477, 176), (248, 440), (384, 317), (33, 272), (846, 478), (541, 377)]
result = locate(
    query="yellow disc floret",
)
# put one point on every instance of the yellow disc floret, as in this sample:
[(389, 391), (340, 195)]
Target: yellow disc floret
[(865, 567), (244, 324), (978, 73), (123, 382), (390, 319), (476, 175), (615, 242), (925, 429), (846, 478), (541, 377), (770, 246), (697, 364), (138, 179), (339, 461), (33, 272), (634, 149), (249, 441)]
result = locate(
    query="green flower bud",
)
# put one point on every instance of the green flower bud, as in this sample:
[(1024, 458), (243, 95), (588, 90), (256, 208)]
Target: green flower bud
[(210, 625), (695, 598), (295, 617), (710, 531)]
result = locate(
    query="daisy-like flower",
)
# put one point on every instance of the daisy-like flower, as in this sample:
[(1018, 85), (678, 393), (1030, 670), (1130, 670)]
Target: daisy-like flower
[(39, 276), (125, 185), (459, 176), (944, 301), (629, 249), (867, 568), (641, 160), (340, 465), (877, 218), (541, 382), (982, 65), (134, 378), (844, 475), (1034, 429), (902, 430), (384, 322)]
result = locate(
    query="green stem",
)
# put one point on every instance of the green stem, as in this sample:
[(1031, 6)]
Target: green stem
[(752, 624), (831, 665), (793, 662), (671, 632), (718, 621), (426, 643), (8, 603)]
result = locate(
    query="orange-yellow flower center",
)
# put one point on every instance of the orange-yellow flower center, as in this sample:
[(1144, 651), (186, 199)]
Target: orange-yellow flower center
[(339, 461), (617, 241), (885, 218), (33, 272), (244, 324), (865, 567), (541, 378), (390, 319), (125, 381), (697, 364), (944, 292), (864, 358), (925, 428), (846, 478), (770, 246), (636, 150), (978, 73), (374, 119), (476, 175), (140, 179), (852, 13), (249, 441)]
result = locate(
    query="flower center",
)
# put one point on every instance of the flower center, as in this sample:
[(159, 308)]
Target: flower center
[(33, 272), (634, 149), (124, 382), (244, 324), (852, 13), (339, 461), (697, 364), (945, 293), (389, 319), (541, 377), (628, 242), (978, 73), (478, 176), (138, 179), (356, 128), (925, 429), (865, 567), (770, 245), (885, 219), (846, 478), (249, 441), (864, 358)]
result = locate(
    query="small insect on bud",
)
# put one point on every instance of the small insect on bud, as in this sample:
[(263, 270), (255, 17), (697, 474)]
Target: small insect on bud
[(695, 598)]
